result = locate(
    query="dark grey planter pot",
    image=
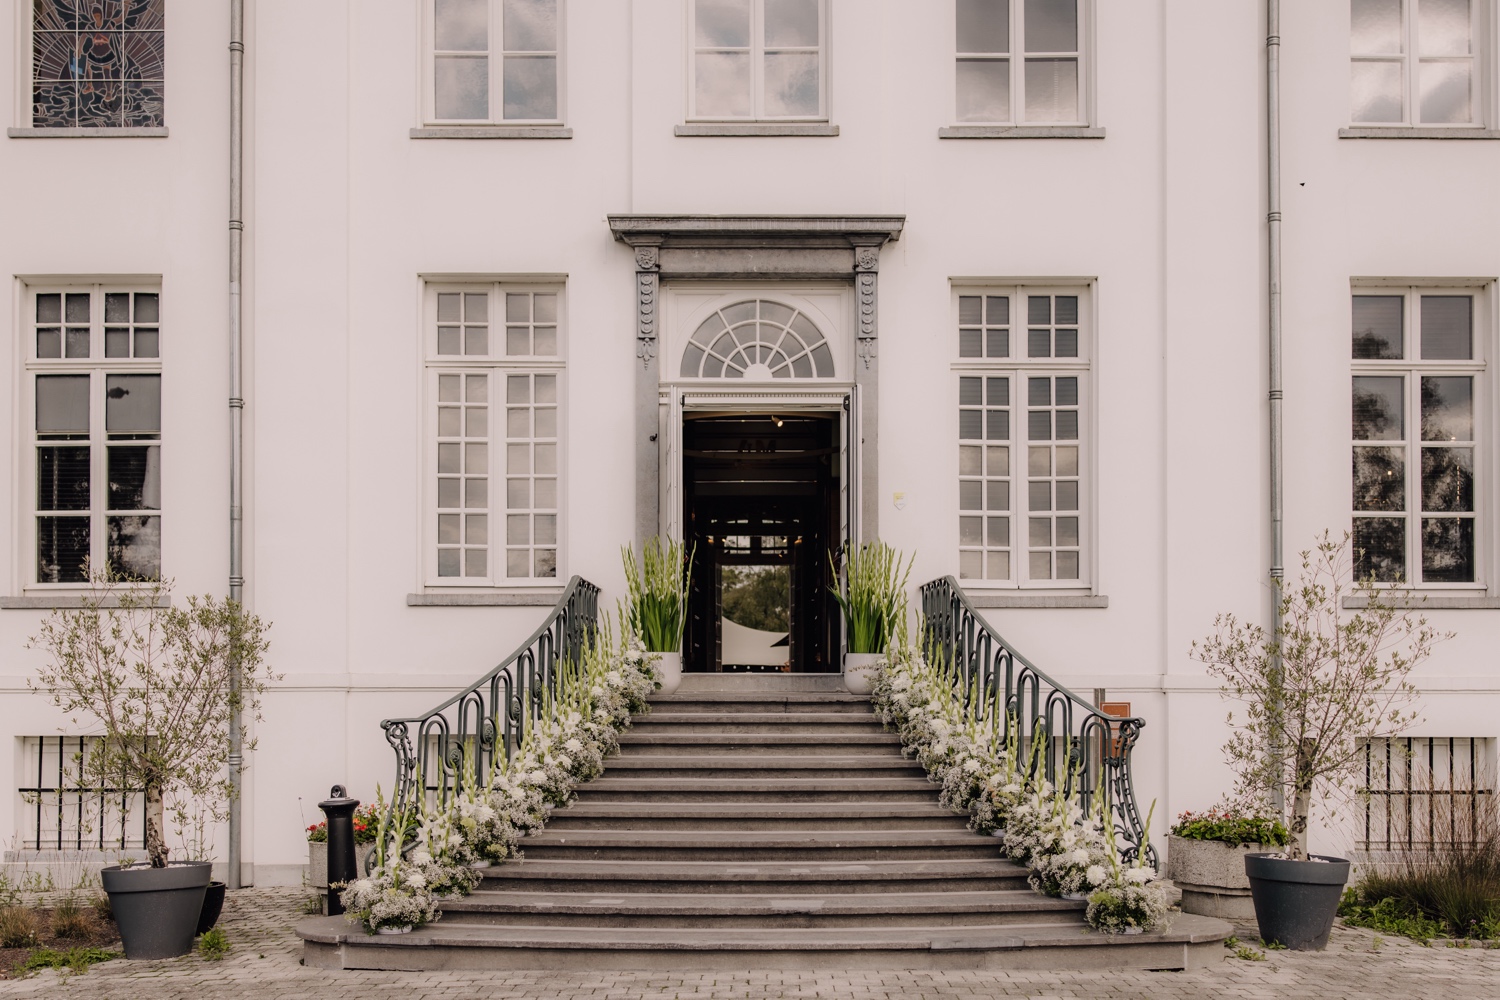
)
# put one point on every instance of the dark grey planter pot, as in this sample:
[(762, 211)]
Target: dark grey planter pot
[(213, 905), (1296, 901), (157, 909)]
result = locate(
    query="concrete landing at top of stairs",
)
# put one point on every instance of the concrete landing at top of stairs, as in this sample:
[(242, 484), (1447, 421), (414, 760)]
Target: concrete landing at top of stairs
[(773, 683)]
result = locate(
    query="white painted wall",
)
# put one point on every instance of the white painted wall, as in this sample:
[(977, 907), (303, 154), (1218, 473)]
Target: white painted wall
[(345, 214)]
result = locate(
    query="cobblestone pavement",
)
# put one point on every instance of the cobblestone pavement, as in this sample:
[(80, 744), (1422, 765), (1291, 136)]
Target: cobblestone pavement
[(264, 963)]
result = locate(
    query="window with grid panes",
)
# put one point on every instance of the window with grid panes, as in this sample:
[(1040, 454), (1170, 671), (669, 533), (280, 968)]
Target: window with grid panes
[(758, 59), (93, 389), (1417, 62), (1020, 62), (494, 372), (495, 61), (1022, 374), (1418, 378)]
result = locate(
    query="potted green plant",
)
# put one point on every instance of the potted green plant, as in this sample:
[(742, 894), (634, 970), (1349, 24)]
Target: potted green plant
[(872, 598), (1206, 857), (1310, 691), (160, 684), (656, 590)]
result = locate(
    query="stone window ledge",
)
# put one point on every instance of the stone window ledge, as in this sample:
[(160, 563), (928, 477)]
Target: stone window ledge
[(493, 132), (1020, 132), (756, 128), (1428, 601), (994, 599), (49, 602), (87, 133), (1405, 132), (491, 599)]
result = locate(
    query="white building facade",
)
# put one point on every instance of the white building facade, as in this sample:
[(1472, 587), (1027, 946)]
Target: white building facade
[(985, 279)]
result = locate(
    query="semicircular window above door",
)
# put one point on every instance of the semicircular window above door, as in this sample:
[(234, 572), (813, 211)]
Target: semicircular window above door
[(757, 339)]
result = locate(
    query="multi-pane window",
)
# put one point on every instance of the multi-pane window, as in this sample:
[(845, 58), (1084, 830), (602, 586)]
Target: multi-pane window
[(1020, 62), (1418, 374), (97, 63), (94, 387), (495, 377), (758, 59), (1022, 381), (1415, 62), (59, 810), (495, 61), (1426, 792)]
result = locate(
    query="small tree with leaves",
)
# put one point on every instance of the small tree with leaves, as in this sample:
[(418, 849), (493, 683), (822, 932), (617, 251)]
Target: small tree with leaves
[(1329, 678), (160, 684)]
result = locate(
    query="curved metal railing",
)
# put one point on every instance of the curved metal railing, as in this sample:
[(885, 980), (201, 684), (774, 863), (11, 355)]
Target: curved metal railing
[(491, 717), (1083, 748)]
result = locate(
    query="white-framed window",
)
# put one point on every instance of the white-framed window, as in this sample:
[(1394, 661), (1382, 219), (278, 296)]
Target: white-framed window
[(92, 399), (494, 384), (1021, 62), (56, 808), (1418, 62), (97, 64), (1425, 792), (1418, 403), (758, 60), (1023, 397), (494, 62)]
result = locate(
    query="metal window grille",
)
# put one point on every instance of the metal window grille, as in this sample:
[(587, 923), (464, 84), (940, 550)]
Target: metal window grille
[(58, 813), (1423, 792)]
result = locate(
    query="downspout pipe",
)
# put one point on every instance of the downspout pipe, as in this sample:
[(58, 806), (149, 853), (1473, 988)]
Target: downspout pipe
[(236, 410), (1273, 296)]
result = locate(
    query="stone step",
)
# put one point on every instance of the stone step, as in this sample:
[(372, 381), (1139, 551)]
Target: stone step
[(764, 765), (665, 909), (832, 877), (761, 742), (740, 722), (334, 943), (771, 814), (759, 702), (753, 845), (650, 786)]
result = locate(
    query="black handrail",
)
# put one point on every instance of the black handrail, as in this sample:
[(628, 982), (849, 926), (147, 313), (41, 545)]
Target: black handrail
[(1084, 750), (491, 717)]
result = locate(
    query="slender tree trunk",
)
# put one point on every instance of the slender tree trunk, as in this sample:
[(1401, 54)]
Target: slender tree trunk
[(156, 840), (1301, 803)]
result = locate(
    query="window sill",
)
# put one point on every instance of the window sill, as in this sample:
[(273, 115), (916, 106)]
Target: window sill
[(493, 132), (1417, 600), (87, 133), (492, 599), (756, 128), (50, 602), (996, 599), (1407, 132), (1020, 132)]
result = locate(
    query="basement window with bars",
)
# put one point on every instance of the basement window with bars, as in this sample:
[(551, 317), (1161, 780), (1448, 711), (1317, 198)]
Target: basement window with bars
[(494, 374), (1421, 793), (56, 810)]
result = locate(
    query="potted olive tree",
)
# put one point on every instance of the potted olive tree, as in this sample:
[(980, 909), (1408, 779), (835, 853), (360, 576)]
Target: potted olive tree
[(656, 588), (160, 685), (1310, 693), (873, 600)]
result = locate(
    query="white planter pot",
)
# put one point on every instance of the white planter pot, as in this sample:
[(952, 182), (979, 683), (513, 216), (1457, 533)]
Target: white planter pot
[(403, 929), (1211, 875), (670, 666), (859, 671)]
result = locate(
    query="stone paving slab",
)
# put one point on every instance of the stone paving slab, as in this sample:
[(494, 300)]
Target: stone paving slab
[(265, 964)]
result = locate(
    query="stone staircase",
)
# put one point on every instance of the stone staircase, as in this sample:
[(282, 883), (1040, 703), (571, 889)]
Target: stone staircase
[(759, 822)]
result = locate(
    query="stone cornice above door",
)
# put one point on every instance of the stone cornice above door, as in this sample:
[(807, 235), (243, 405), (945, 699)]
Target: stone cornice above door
[(757, 246)]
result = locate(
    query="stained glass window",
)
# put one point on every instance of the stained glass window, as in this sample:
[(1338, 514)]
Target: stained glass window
[(98, 63)]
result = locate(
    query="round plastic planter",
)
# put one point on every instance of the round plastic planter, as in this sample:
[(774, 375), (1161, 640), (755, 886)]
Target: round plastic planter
[(671, 671), (859, 671), (157, 909), (1296, 901), (213, 905)]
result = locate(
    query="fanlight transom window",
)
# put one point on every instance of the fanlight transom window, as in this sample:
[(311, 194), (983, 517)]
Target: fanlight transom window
[(758, 339)]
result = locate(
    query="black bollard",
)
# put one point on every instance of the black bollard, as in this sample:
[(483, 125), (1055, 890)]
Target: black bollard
[(339, 809)]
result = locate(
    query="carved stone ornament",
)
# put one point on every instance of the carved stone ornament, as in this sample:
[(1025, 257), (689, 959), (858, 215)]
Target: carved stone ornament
[(867, 258), (645, 345), (866, 307), (645, 258)]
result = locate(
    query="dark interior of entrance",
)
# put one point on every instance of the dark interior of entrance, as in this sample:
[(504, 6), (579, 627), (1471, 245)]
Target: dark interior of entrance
[(760, 499)]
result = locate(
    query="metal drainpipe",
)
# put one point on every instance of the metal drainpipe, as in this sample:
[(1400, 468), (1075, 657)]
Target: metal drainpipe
[(1273, 279), (236, 404)]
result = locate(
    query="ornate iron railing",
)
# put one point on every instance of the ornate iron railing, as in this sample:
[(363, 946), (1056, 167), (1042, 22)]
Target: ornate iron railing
[(1082, 748), (491, 717)]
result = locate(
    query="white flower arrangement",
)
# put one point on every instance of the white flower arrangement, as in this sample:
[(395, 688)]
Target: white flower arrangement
[(1129, 898), (393, 896)]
